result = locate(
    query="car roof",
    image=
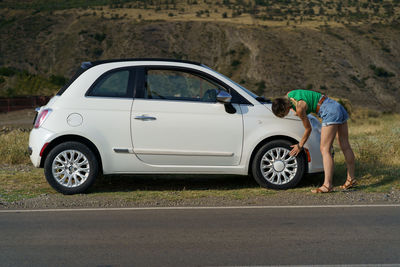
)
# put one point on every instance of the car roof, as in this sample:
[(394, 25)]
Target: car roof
[(89, 64), (99, 62)]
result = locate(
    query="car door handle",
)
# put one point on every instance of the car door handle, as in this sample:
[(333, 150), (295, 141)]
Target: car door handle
[(145, 118)]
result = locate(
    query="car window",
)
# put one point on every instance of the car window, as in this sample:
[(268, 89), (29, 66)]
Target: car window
[(179, 85), (114, 84)]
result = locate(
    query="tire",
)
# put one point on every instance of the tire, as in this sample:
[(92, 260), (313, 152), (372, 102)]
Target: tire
[(280, 171), (75, 168)]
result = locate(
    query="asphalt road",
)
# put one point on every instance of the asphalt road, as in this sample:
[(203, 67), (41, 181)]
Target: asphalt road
[(201, 237)]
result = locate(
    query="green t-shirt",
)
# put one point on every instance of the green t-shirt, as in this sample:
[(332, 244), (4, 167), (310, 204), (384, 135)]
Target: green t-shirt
[(310, 97)]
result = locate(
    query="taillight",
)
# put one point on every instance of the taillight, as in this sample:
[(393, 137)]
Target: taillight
[(43, 148), (42, 117)]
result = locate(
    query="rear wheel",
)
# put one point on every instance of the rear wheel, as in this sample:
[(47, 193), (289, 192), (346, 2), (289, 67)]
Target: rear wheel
[(71, 167), (274, 168)]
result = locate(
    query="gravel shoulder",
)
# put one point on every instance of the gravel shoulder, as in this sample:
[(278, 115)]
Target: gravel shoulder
[(47, 201)]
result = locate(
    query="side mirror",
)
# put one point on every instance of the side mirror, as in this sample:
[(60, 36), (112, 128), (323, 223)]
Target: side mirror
[(224, 97)]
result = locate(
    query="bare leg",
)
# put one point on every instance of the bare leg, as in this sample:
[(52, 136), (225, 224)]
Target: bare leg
[(343, 138), (328, 134)]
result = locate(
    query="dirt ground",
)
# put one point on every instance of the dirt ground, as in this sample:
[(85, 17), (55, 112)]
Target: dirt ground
[(281, 198), (17, 119)]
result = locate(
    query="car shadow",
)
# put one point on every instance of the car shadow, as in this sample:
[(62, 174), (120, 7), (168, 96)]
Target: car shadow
[(171, 182), (180, 182)]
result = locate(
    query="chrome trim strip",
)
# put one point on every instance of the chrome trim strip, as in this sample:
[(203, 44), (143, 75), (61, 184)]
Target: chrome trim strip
[(182, 153)]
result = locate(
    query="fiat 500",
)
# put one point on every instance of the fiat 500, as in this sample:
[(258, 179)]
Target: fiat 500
[(165, 116)]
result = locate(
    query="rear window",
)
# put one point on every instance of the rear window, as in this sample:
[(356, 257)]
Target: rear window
[(112, 84), (84, 67)]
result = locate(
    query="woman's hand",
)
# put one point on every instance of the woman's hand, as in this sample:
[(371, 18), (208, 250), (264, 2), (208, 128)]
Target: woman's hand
[(296, 150)]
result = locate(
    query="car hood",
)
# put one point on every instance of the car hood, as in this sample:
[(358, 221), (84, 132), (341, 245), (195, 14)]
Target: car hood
[(290, 116), (315, 123)]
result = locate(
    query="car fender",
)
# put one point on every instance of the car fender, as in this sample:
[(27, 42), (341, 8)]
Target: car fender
[(74, 135), (275, 128)]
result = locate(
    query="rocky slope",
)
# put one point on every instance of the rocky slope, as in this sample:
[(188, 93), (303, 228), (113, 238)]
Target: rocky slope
[(360, 63)]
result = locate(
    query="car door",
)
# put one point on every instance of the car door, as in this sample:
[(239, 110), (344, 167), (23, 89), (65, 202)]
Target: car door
[(106, 111), (176, 120)]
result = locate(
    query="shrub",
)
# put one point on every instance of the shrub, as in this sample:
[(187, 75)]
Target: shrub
[(235, 63), (10, 92), (100, 37), (97, 52), (330, 32), (260, 87), (58, 80), (26, 83), (7, 71), (381, 72)]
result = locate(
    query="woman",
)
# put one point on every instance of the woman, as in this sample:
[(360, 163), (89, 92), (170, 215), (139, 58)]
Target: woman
[(334, 122)]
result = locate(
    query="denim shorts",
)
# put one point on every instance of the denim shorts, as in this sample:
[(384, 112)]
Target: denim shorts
[(332, 112)]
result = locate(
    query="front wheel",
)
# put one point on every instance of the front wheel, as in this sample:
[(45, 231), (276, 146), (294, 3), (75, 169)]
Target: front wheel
[(274, 168), (71, 167)]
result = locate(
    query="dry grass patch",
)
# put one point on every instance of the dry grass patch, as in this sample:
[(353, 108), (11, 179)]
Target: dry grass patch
[(376, 143), (21, 182), (14, 147)]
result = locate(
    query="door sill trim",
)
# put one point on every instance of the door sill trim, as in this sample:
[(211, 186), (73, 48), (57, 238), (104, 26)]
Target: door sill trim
[(182, 153)]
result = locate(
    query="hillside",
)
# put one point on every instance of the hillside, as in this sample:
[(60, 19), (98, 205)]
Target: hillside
[(338, 53)]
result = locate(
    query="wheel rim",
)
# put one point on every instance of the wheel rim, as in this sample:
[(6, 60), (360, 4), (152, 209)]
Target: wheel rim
[(277, 166), (70, 168)]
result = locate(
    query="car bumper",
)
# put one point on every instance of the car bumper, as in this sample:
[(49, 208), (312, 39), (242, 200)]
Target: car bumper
[(38, 139)]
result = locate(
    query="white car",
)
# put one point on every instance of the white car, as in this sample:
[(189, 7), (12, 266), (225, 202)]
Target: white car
[(165, 116)]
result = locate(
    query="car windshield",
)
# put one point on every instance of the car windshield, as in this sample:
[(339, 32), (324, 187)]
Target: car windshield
[(260, 99)]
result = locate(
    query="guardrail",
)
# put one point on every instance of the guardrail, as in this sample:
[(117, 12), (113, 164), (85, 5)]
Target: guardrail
[(18, 103)]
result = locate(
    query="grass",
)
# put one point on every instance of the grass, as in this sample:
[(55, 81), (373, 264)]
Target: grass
[(22, 183), (376, 141), (14, 147), (375, 138)]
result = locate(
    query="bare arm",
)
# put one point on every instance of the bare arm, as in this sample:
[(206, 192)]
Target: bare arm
[(301, 109)]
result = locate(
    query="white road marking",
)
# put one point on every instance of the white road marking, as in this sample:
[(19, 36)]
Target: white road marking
[(202, 208)]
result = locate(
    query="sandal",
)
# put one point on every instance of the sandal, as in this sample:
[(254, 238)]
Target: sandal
[(348, 184), (318, 190)]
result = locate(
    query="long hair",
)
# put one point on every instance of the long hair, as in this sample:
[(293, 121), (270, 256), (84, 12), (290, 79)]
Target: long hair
[(279, 106)]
